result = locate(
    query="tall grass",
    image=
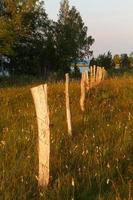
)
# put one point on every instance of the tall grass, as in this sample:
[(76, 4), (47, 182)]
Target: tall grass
[(96, 163)]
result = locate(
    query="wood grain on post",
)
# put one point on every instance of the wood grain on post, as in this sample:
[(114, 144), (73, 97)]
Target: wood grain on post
[(39, 94), (68, 113)]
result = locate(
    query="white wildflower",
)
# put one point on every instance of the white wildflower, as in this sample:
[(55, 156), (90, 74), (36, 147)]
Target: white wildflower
[(129, 116), (107, 181), (28, 156), (75, 147), (41, 194), (22, 179), (108, 165), (36, 177), (72, 181), (93, 136), (79, 169), (97, 149), (87, 151), (66, 166), (124, 156)]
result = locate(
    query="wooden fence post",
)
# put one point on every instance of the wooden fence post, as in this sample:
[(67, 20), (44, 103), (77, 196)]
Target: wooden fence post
[(94, 74), (91, 77), (102, 73), (105, 74), (86, 78), (99, 75), (68, 113), (39, 94), (82, 97)]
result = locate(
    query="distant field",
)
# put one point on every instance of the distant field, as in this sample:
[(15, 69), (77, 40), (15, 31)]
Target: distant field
[(98, 157)]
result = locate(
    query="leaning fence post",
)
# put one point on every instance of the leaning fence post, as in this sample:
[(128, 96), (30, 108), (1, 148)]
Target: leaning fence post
[(68, 113), (39, 94)]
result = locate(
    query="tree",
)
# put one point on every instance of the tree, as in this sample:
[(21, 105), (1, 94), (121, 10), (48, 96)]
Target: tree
[(116, 61), (64, 11), (24, 34), (11, 20), (105, 60), (71, 37), (125, 62), (36, 44), (131, 59), (30, 47)]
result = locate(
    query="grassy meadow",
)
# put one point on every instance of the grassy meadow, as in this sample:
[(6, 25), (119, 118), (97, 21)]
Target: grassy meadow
[(96, 163)]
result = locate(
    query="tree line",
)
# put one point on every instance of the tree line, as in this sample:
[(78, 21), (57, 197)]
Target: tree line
[(108, 61), (38, 45)]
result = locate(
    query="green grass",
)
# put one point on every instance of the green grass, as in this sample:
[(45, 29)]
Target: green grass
[(98, 157)]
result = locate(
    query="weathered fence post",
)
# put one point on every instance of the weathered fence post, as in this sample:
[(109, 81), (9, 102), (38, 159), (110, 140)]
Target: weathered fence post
[(94, 74), (99, 75), (82, 97), (68, 113), (91, 77), (86, 78), (39, 94), (104, 74)]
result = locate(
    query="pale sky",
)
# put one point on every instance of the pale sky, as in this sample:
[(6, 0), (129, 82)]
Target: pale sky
[(110, 22)]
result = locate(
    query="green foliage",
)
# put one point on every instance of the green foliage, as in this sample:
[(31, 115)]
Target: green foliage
[(109, 62), (30, 36), (12, 21), (36, 44), (71, 37), (30, 49), (125, 62), (96, 163), (131, 59), (116, 60), (103, 60), (64, 11)]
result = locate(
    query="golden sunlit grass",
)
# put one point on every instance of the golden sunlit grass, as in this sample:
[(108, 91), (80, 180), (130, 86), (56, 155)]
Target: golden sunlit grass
[(96, 163)]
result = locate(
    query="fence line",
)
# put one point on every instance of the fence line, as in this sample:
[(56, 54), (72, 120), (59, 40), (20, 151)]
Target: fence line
[(39, 93), (97, 74)]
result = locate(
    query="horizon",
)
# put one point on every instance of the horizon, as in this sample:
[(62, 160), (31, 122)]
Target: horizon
[(115, 16)]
